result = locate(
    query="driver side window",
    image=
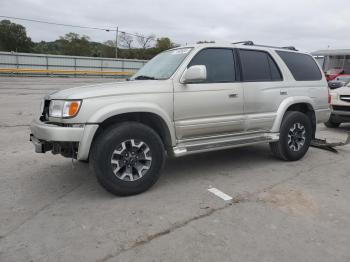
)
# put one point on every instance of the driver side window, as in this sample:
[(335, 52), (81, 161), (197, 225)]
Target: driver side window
[(219, 63)]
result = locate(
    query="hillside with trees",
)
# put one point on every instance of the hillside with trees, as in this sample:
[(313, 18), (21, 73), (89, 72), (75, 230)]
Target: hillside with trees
[(13, 37)]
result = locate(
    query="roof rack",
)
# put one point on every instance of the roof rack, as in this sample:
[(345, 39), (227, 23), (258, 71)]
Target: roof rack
[(289, 47), (244, 42), (252, 43)]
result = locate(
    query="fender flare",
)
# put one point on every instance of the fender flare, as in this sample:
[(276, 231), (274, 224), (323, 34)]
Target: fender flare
[(116, 109), (139, 107), (285, 105)]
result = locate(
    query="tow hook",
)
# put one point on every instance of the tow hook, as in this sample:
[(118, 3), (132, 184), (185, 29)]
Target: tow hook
[(323, 144)]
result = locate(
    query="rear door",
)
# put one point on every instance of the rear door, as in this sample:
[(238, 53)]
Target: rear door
[(262, 82), (308, 78)]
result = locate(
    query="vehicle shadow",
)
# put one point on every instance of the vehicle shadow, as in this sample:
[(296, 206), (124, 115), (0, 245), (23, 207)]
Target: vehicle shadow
[(216, 160), (345, 127), (203, 165), (229, 163)]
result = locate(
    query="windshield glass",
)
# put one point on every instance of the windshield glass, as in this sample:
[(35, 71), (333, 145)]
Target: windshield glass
[(163, 65)]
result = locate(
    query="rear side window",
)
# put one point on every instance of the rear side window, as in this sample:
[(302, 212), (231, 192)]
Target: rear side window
[(258, 66), (303, 67), (219, 63)]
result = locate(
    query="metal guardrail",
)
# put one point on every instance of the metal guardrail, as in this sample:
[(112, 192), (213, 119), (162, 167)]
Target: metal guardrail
[(26, 71), (26, 64)]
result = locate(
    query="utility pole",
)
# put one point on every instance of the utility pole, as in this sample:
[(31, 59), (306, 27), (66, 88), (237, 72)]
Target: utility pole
[(116, 43)]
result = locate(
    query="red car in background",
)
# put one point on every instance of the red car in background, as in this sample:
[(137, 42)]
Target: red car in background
[(331, 74), (339, 81), (333, 62)]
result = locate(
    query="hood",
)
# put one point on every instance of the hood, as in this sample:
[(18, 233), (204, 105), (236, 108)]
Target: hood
[(345, 90), (113, 89)]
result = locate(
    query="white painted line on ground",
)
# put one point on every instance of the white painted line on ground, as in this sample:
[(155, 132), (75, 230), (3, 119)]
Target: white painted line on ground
[(220, 194)]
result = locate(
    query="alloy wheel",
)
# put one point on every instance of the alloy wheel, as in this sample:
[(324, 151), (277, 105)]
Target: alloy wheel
[(296, 137), (131, 160)]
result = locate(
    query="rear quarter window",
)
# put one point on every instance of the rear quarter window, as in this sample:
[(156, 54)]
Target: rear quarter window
[(303, 67)]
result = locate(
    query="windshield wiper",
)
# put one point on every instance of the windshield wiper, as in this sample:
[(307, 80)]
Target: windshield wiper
[(143, 77)]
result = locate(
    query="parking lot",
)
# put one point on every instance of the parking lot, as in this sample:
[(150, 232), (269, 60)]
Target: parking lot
[(54, 210)]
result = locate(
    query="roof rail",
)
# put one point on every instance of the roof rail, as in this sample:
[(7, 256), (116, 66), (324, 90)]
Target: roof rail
[(289, 47), (245, 42), (252, 43)]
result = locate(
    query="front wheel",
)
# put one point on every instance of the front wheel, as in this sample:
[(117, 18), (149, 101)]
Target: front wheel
[(295, 137), (127, 158)]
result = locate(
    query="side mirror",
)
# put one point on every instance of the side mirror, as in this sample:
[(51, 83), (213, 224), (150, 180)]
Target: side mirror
[(194, 74)]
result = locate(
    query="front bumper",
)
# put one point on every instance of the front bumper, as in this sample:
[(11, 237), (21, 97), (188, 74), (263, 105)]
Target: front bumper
[(340, 116), (340, 111), (49, 137), (51, 132), (39, 146)]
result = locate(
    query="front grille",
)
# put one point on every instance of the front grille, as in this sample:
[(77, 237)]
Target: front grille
[(345, 98), (45, 114), (341, 108)]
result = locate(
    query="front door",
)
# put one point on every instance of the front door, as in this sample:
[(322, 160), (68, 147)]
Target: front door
[(212, 107)]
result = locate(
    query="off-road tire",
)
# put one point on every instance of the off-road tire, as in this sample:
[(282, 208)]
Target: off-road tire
[(104, 147), (281, 149)]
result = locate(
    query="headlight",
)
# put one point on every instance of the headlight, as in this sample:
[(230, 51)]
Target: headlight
[(63, 108)]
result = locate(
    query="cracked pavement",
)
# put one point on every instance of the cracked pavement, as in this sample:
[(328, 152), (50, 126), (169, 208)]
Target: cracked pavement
[(53, 210)]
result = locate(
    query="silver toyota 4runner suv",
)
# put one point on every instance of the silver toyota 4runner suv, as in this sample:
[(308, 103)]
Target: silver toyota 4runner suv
[(186, 100)]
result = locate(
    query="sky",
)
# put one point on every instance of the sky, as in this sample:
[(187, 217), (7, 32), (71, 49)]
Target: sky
[(308, 25)]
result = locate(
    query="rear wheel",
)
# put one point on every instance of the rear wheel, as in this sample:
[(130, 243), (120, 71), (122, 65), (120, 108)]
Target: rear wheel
[(127, 158), (295, 137)]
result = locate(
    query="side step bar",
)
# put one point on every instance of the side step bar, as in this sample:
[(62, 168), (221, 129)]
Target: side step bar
[(187, 147)]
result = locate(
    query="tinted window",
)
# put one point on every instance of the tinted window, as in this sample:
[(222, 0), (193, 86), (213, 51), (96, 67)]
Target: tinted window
[(258, 66), (303, 67), (219, 63), (275, 72)]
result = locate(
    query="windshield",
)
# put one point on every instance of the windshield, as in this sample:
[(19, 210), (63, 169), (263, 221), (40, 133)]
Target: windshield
[(163, 65)]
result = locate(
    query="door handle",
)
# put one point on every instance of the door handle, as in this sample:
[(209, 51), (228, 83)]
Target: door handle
[(283, 93), (232, 95)]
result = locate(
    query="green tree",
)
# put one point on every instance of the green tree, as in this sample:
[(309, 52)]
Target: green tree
[(13, 37), (206, 42), (108, 49), (164, 43), (54, 48), (74, 44)]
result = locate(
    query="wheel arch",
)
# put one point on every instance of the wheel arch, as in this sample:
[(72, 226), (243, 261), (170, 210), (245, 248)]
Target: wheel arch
[(301, 104), (146, 113), (156, 122)]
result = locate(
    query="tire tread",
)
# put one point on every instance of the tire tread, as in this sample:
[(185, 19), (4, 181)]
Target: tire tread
[(279, 148), (119, 130)]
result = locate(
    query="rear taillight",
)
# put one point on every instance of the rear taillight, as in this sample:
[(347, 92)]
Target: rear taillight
[(329, 98)]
